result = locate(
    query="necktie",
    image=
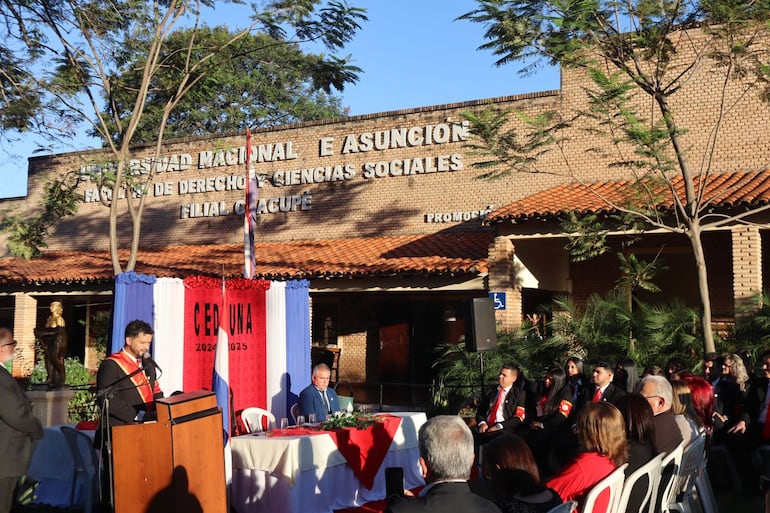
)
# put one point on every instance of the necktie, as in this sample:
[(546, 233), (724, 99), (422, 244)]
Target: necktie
[(493, 412), (597, 395), (326, 401)]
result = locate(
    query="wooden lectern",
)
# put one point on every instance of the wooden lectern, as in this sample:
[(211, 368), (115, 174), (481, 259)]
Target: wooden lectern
[(150, 460)]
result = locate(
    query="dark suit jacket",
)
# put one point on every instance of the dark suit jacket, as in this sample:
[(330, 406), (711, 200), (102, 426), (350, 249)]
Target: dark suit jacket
[(18, 428), (754, 402), (667, 433), (310, 401), (515, 399), (443, 498), (125, 401), (611, 394)]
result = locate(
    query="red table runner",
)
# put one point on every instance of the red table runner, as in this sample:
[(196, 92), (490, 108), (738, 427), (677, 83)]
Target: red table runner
[(365, 449)]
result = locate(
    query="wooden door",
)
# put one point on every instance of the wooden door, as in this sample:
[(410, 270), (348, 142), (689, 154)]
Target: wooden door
[(394, 352)]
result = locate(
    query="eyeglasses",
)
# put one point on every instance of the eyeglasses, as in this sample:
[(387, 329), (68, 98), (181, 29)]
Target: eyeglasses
[(653, 396), (11, 344)]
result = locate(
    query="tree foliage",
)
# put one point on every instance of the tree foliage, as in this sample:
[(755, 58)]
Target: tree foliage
[(27, 234), (638, 56), (125, 67), (253, 83)]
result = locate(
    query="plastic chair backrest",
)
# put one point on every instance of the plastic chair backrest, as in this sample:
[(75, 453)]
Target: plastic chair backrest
[(612, 484), (254, 419), (564, 507), (81, 444), (294, 411), (346, 401), (693, 458), (647, 476), (669, 472)]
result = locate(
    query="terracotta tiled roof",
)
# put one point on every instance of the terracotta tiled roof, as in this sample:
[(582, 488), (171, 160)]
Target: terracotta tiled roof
[(745, 189), (443, 253)]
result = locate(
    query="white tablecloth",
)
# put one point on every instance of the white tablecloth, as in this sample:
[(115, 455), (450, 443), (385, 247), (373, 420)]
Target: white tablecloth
[(307, 474), (52, 466)]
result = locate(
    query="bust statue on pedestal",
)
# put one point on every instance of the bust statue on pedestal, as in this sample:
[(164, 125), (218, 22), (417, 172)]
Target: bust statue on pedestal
[(54, 342)]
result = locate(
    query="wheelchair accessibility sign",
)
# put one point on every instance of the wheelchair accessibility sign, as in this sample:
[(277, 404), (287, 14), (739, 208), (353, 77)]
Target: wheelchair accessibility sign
[(498, 300)]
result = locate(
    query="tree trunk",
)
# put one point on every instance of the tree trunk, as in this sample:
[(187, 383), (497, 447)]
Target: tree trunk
[(703, 288)]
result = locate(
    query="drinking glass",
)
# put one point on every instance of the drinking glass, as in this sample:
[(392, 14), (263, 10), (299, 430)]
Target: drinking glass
[(300, 420), (311, 419), (284, 424)]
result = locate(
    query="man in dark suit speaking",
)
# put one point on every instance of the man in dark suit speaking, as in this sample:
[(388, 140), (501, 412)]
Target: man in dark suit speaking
[(318, 398), (446, 458), (18, 427)]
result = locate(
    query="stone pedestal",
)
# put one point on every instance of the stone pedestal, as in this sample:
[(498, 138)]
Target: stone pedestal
[(50, 406)]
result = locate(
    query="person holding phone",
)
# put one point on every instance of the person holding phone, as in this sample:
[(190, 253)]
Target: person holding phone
[(446, 458)]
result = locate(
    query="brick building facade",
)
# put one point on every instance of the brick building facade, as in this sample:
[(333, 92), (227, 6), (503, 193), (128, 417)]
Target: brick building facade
[(398, 174)]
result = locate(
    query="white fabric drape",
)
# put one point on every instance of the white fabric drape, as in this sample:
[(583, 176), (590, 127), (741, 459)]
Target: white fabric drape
[(168, 295), (276, 349)]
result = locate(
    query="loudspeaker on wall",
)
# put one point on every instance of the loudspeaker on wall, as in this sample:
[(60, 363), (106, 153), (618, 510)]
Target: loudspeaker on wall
[(480, 327)]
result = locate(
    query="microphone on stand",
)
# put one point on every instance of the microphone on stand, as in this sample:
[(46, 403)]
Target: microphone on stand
[(148, 358)]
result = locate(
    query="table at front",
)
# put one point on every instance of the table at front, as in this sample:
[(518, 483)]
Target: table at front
[(307, 474)]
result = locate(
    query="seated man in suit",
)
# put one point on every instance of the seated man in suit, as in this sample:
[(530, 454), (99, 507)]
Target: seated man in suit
[(446, 457), (659, 393), (604, 390), (504, 406), (318, 398)]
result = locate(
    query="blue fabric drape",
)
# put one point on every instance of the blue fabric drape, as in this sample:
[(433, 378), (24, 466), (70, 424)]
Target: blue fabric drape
[(297, 338), (133, 300)]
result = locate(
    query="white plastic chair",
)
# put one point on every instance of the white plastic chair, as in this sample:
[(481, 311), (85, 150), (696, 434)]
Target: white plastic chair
[(253, 418), (669, 471), (686, 499), (294, 411), (86, 462), (613, 484), (564, 507), (651, 470)]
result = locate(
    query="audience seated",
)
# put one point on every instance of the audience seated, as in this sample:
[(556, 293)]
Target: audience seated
[(626, 375), (680, 400), (735, 385), (753, 427), (603, 389), (446, 458), (640, 435), (552, 409), (515, 477), (601, 432), (702, 397), (640, 430), (653, 370), (673, 366), (502, 408), (712, 367), (659, 394), (576, 380)]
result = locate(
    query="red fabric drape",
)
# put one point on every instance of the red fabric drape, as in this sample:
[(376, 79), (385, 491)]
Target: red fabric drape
[(365, 449), (246, 331)]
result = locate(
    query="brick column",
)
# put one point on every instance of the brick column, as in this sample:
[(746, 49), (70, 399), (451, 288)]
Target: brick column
[(502, 278), (747, 267), (24, 319)]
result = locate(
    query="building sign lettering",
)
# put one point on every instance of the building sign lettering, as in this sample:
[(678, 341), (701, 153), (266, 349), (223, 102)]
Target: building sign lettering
[(381, 140)]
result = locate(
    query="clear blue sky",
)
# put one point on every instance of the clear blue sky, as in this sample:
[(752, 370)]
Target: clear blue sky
[(412, 54)]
